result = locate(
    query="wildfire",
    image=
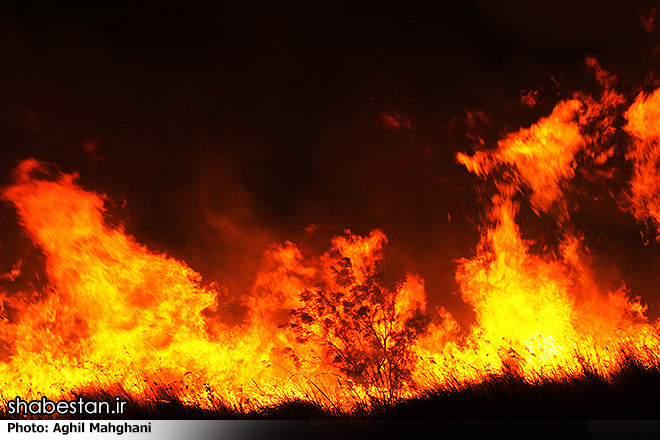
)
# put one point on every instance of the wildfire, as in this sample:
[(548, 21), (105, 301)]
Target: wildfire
[(116, 315)]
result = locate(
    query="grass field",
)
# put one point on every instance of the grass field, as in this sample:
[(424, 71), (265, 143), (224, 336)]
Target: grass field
[(632, 393)]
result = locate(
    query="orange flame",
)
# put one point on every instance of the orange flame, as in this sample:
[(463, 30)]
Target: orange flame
[(115, 314), (543, 315), (542, 155), (644, 155)]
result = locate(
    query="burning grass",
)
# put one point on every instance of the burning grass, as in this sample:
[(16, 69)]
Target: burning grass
[(342, 334), (630, 393)]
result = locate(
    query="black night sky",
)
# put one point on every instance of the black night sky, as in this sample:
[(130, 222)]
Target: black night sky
[(227, 126)]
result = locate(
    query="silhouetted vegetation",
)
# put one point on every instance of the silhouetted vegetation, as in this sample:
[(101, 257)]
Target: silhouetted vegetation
[(630, 394), (360, 325)]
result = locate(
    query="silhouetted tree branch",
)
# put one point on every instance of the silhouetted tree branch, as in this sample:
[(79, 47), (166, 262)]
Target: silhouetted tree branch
[(363, 331)]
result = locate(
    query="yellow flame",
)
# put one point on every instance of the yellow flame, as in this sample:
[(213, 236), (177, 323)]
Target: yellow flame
[(115, 314)]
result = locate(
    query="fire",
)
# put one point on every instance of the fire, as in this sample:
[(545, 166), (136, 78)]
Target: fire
[(545, 316), (116, 313), (342, 326), (644, 155), (542, 155)]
